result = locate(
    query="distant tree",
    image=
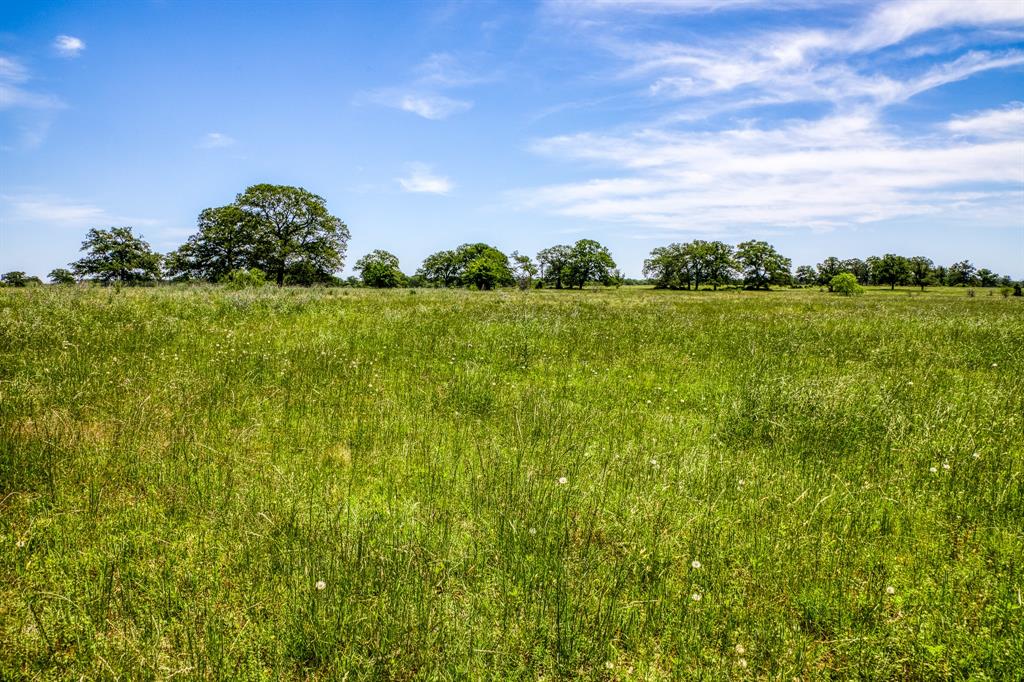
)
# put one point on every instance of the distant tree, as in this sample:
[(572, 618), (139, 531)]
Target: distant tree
[(523, 270), (806, 275), (480, 265), (711, 262), (441, 269), (987, 278), (589, 261), (961, 274), (860, 269), (941, 273), (227, 240), (61, 276), (873, 263), (117, 255), (845, 283), (554, 264), (668, 267), (19, 279), (761, 265), (922, 271), (827, 269), (379, 269), (1017, 289), (296, 237), (892, 270)]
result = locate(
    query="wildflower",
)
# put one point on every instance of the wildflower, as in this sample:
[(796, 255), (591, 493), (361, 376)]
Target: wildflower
[(910, 383), (945, 465), (20, 543), (890, 590), (695, 563), (533, 531), (742, 663), (976, 455), (608, 665), (932, 469), (654, 463), (740, 649), (995, 364), (320, 584), (696, 596), (563, 480)]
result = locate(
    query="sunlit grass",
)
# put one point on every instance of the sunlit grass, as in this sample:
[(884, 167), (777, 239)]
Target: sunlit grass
[(444, 484)]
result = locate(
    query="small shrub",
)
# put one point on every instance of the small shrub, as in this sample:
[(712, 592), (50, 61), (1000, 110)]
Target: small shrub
[(241, 278), (846, 284), (970, 292)]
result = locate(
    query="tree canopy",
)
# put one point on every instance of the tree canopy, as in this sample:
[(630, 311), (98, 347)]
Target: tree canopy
[(761, 265), (589, 261), (379, 269), (117, 255), (480, 265)]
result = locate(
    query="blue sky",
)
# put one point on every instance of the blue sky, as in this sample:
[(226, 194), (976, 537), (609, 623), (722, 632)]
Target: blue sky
[(826, 128)]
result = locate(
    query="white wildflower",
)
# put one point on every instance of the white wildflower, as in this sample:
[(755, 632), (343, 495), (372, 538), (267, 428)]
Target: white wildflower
[(890, 590), (696, 596), (563, 480), (695, 564), (320, 584), (740, 649)]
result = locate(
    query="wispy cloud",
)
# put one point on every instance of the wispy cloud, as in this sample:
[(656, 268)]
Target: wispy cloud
[(424, 95), (68, 46), (216, 141), (54, 210), (1007, 122), (845, 166), (15, 94), (421, 179)]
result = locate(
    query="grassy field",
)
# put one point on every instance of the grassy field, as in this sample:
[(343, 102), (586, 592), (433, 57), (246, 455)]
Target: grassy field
[(624, 484)]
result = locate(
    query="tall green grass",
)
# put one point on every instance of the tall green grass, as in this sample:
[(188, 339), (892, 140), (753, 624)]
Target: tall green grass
[(608, 485)]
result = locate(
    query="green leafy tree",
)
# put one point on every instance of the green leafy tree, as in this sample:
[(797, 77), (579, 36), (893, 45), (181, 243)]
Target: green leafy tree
[(961, 274), (860, 269), (845, 283), (226, 241), (761, 265), (61, 276), (589, 261), (554, 264), (296, 237), (523, 270), (892, 270), (806, 275), (441, 269), (827, 269), (710, 262), (380, 269), (19, 279), (987, 278), (117, 255), (922, 271), (668, 267)]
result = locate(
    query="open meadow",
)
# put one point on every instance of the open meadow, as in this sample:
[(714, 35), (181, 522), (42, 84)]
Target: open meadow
[(445, 484)]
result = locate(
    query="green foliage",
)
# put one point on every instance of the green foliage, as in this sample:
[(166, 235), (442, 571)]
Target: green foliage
[(845, 283), (761, 265), (523, 270), (61, 276), (181, 467), (116, 255), (297, 239), (379, 269), (677, 266), (244, 278), (806, 275), (19, 279), (589, 261), (922, 271), (892, 270), (479, 265), (228, 240), (553, 263)]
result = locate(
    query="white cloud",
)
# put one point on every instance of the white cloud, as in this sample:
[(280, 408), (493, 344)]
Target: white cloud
[(13, 93), (837, 171), (68, 46), (421, 179), (216, 141), (54, 211), (433, 107), (1007, 122)]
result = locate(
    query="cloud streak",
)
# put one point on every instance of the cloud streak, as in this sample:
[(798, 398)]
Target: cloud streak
[(422, 180), (68, 46)]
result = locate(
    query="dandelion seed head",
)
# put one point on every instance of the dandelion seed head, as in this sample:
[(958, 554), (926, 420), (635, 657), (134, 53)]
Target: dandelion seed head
[(563, 480), (932, 469), (320, 584), (945, 465), (533, 531), (695, 564), (890, 590), (696, 596), (740, 649)]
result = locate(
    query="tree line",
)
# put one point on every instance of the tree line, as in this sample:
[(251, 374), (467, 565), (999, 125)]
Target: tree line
[(287, 236)]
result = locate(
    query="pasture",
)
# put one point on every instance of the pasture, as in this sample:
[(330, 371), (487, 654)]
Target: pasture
[(444, 484)]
